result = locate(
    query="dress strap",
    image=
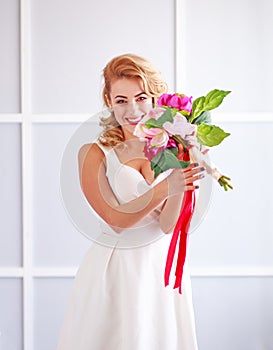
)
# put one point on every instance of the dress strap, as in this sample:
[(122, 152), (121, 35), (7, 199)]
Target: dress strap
[(104, 149), (111, 159)]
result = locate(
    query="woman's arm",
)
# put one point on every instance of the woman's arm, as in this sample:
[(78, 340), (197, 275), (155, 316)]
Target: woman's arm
[(102, 199), (170, 213)]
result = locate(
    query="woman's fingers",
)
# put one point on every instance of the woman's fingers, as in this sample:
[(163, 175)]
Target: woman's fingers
[(192, 175), (193, 170), (182, 180), (190, 188), (205, 151), (192, 166), (194, 178)]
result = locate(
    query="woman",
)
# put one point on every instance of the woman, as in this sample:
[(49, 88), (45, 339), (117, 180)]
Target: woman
[(119, 301)]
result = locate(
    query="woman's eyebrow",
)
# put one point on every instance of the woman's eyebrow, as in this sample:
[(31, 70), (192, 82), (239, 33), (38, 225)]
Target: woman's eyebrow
[(141, 93), (120, 96)]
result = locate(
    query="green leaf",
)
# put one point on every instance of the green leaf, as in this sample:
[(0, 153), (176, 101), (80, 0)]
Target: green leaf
[(185, 113), (206, 103), (158, 123), (210, 135), (166, 159), (166, 117), (183, 164), (214, 98), (174, 150), (197, 107), (151, 123), (203, 118)]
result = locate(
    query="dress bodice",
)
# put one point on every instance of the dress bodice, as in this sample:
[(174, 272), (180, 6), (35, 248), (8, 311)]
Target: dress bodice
[(127, 184)]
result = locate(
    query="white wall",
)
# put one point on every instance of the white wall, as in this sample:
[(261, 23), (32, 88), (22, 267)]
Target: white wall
[(51, 83)]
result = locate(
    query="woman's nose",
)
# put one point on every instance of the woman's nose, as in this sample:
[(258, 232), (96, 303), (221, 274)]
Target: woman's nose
[(132, 109)]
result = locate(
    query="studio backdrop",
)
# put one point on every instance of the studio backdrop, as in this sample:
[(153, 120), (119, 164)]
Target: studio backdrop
[(51, 58)]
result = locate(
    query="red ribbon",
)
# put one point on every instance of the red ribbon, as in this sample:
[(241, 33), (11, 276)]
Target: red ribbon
[(181, 231)]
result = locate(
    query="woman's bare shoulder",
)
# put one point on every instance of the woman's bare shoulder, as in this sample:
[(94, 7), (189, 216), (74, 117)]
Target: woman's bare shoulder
[(90, 150), (90, 158)]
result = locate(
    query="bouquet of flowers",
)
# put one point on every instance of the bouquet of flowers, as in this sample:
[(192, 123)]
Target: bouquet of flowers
[(179, 119)]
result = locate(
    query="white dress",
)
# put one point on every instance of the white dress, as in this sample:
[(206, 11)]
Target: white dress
[(119, 301)]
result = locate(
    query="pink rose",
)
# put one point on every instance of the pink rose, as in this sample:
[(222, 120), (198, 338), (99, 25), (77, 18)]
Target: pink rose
[(158, 137), (179, 126), (151, 152), (172, 144), (178, 101), (142, 132)]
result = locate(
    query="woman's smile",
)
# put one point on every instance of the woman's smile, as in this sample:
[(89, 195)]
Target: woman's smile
[(129, 102), (134, 120)]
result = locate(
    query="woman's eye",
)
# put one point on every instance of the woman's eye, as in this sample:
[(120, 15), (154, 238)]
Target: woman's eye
[(119, 102), (142, 98)]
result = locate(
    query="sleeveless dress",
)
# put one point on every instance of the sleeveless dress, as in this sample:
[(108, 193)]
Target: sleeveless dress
[(118, 300)]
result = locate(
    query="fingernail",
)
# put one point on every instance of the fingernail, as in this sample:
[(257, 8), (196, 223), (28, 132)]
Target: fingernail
[(203, 168), (196, 164), (196, 186)]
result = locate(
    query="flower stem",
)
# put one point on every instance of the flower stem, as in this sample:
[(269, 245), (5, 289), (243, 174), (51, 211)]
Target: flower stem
[(224, 182), (178, 139)]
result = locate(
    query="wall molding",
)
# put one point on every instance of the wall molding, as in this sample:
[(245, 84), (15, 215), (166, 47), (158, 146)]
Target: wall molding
[(26, 154), (66, 118), (11, 272), (195, 271), (231, 271)]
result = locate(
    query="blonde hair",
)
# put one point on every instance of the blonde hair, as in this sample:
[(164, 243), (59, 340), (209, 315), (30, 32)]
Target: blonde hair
[(127, 66)]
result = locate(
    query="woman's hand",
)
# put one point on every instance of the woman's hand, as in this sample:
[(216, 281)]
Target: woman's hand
[(181, 180)]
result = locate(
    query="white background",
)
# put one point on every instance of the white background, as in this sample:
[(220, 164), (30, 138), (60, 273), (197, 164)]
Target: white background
[(51, 58)]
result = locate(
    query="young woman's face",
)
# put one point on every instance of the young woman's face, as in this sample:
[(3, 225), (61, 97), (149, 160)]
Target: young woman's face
[(129, 101)]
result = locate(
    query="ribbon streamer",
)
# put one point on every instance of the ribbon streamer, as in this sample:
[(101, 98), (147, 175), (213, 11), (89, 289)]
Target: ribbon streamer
[(181, 231)]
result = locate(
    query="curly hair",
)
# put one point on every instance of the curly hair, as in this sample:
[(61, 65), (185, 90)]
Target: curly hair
[(127, 66)]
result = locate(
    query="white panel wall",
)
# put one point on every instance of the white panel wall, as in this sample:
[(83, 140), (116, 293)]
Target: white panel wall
[(227, 45), (233, 313), (237, 231), (11, 336), (9, 57), (200, 46), (10, 199), (51, 224), (73, 40), (50, 299)]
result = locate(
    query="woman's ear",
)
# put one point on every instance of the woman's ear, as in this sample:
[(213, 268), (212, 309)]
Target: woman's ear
[(109, 105), (108, 101)]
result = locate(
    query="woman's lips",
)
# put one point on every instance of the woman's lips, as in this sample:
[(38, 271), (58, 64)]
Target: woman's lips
[(134, 120)]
